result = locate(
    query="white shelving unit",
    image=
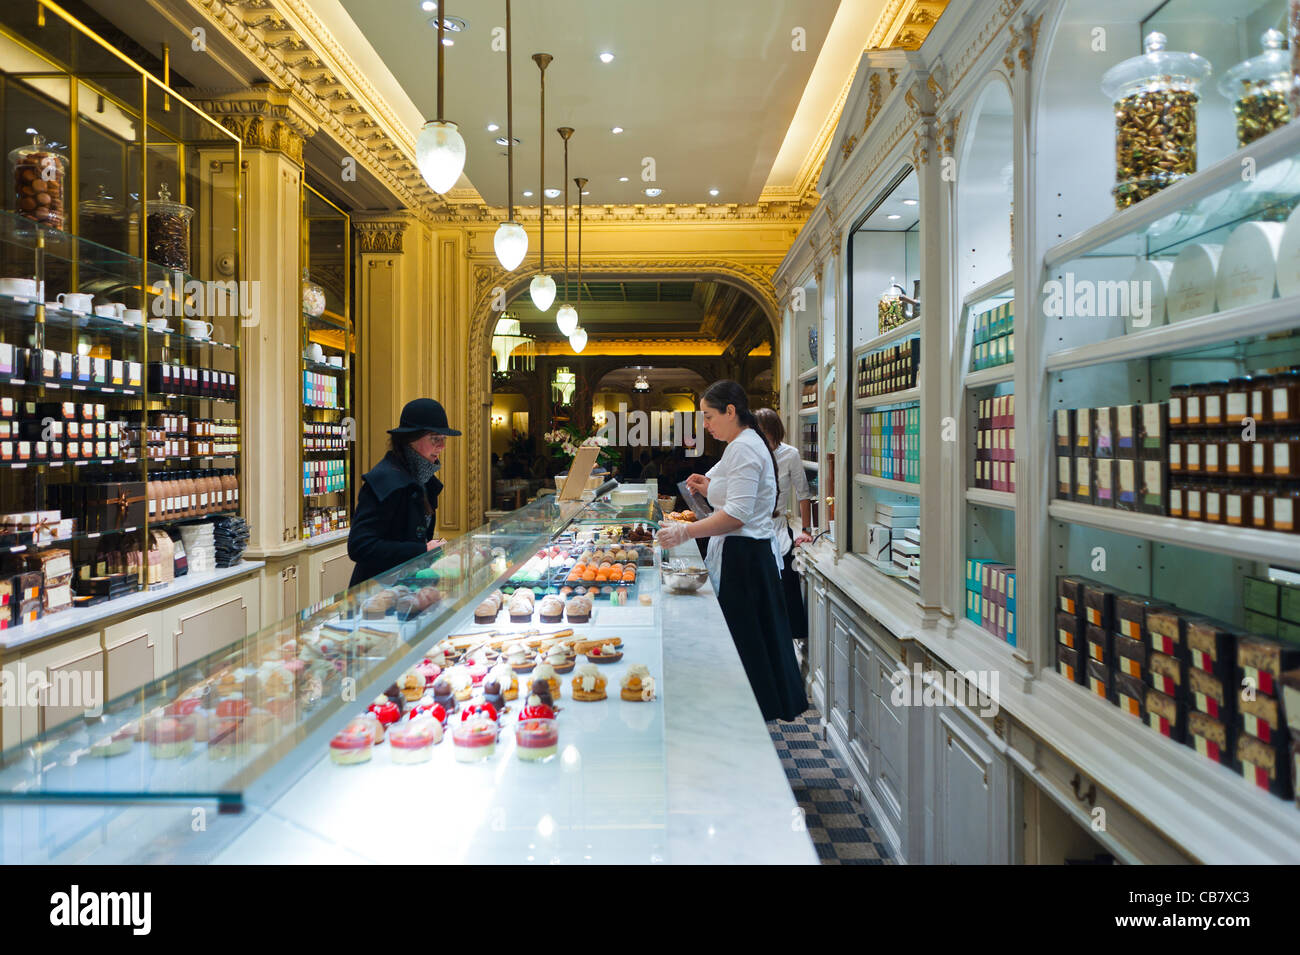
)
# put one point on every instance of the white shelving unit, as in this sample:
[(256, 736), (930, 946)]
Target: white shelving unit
[(1006, 500), (893, 398), (888, 484)]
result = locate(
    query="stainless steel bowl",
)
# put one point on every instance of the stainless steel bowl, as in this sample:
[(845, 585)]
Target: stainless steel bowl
[(684, 579)]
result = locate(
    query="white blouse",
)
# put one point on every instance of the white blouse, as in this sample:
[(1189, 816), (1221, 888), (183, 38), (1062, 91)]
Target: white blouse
[(744, 485), (790, 470)]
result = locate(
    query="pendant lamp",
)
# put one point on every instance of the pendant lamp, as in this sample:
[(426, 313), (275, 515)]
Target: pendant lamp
[(542, 287), (567, 316), (440, 148), (578, 337), (511, 241)]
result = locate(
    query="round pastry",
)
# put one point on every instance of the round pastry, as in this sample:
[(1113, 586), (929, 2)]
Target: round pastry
[(475, 710), (578, 609), (462, 684), (477, 667), (348, 748), (518, 658), (536, 739), (588, 685), (559, 659), (605, 653), (428, 671), (443, 694), (427, 707), (385, 710), (413, 742), (171, 737), (537, 711), (521, 606), (645, 600), (487, 611), (412, 685), (551, 609), (638, 686)]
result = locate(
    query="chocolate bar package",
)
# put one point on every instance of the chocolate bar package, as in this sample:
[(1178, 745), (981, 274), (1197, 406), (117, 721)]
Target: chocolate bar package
[(1153, 483), (1067, 664), (1099, 679), (53, 565), (1126, 431), (1154, 422), (27, 611), (1291, 699), (1165, 715), (1098, 644), (1126, 484), (1083, 480), (1262, 661), (26, 586), (1083, 432), (1069, 630), (56, 597), (1261, 717), (1064, 477), (1130, 615), (1164, 626), (1264, 764), (1099, 604), (1069, 594), (1064, 428), (1207, 694), (1103, 482), (1166, 674), (1130, 657), (1211, 646), (1103, 433), (1209, 737), (1128, 693)]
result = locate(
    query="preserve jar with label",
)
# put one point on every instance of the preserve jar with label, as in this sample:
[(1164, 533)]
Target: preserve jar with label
[(1286, 398), (1261, 505), (1261, 398), (1237, 403), (1216, 393), (1177, 402), (1285, 503)]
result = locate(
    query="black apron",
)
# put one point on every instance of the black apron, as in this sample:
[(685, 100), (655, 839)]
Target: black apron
[(793, 594), (749, 591)]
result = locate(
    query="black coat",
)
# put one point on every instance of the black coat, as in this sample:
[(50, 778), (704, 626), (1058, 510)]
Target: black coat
[(390, 512)]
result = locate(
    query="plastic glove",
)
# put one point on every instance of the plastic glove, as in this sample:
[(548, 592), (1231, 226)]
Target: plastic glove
[(672, 535)]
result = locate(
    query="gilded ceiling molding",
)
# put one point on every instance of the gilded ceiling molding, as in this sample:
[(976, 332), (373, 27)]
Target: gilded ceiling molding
[(837, 242), (1022, 46), (948, 135), (904, 24), (263, 117), (791, 213), (986, 35)]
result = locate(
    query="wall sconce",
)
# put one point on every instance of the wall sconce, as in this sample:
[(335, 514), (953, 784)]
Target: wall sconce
[(498, 421)]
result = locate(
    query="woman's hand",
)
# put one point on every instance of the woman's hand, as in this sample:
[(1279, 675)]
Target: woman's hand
[(672, 535), (435, 544), (698, 483), (802, 538)]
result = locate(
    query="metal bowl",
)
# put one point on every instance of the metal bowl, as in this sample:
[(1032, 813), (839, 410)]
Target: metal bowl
[(684, 579)]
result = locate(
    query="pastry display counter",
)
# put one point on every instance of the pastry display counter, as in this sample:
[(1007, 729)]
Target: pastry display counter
[(257, 740)]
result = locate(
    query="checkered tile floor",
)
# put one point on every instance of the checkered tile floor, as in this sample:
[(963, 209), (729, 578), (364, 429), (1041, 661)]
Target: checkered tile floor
[(840, 830)]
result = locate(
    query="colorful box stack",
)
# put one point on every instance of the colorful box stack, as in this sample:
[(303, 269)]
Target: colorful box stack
[(1190, 678), (995, 444), (319, 390), (995, 340), (1273, 608), (894, 539), (889, 370), (891, 444), (1113, 456), (324, 477), (991, 597)]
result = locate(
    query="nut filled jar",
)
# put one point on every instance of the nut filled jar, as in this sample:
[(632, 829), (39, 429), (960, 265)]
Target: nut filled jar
[(1155, 97), (168, 225), (38, 176), (1258, 90)]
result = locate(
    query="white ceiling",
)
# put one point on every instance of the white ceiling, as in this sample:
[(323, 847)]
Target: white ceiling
[(708, 89)]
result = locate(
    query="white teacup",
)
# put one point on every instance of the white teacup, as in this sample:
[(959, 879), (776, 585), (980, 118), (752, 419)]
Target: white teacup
[(111, 310), (132, 316), (159, 325), (197, 328), (76, 301), (315, 352), (19, 287)]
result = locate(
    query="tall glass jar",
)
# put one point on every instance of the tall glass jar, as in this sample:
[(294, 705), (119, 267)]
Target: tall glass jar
[(1155, 97), (890, 309), (1258, 90), (168, 225), (38, 176), (313, 297)]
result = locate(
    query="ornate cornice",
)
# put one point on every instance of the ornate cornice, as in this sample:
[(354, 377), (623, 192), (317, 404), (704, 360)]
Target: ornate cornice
[(986, 35), (788, 213), (262, 117), (1022, 46)]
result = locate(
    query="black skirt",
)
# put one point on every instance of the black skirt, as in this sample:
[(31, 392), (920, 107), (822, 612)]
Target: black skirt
[(794, 598), (750, 594)]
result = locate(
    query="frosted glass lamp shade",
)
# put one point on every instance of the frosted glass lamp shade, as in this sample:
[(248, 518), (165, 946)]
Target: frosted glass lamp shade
[(578, 340), (567, 319), (511, 244), (542, 289), (440, 154)]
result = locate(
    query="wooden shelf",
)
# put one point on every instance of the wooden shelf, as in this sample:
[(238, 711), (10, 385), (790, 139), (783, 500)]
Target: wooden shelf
[(1003, 499), (893, 398), (906, 330), (986, 377), (886, 484)]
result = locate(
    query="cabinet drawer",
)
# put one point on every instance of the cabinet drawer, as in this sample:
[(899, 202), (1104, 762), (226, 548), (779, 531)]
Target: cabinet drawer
[(198, 627), (130, 653), (73, 688), (334, 574)]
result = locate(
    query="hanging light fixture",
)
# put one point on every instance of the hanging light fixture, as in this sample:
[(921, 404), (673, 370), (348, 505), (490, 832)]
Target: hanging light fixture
[(507, 339), (563, 385), (641, 384), (567, 316), (511, 242), (542, 287), (578, 338), (440, 149)]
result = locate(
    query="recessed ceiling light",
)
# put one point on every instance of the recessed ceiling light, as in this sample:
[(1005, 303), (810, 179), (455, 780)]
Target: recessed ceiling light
[(551, 193), (528, 193), (607, 58), (448, 41), (653, 192), (428, 6), (501, 141), (893, 216), (622, 178), (450, 24), (909, 202), (616, 130), (492, 127), (586, 192), (713, 192)]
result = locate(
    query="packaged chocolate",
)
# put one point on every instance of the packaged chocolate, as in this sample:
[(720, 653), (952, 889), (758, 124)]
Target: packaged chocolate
[(1069, 593), (1130, 657), (1207, 694), (1103, 433), (1290, 682), (1083, 432), (1153, 420), (1264, 764), (1064, 431), (1166, 674), (1130, 615), (1069, 630), (1083, 467), (1098, 679), (1261, 661), (1098, 644), (1126, 426), (27, 611), (1103, 482), (1064, 477), (1211, 646), (1164, 630), (1209, 737), (1128, 693), (1099, 604), (1165, 715), (1126, 484), (1261, 717), (1067, 664)]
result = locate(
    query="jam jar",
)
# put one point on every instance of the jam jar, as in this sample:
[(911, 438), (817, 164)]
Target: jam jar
[(1212, 402), (1177, 402), (1236, 504), (1236, 406), (1285, 502), (1261, 398), (1261, 505), (1286, 398), (1286, 455)]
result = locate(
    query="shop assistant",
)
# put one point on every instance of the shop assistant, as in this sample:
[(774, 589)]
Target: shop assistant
[(743, 557), (398, 503)]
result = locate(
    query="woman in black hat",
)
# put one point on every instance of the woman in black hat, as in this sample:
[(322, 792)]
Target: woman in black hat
[(397, 505)]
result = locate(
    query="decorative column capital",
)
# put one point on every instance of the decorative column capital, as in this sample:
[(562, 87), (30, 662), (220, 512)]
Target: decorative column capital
[(380, 232), (263, 117)]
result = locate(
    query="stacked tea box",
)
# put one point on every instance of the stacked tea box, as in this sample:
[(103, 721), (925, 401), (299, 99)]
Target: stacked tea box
[(991, 597), (995, 444), (894, 538), (1113, 456), (891, 444), (994, 339)]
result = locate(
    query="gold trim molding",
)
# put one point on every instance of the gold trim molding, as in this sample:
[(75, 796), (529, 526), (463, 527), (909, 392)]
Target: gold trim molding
[(263, 118), (380, 234)]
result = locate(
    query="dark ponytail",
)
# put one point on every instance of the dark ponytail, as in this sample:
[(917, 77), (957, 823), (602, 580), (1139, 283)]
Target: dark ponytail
[(725, 392)]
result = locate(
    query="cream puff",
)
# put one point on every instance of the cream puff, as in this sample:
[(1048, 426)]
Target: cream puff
[(588, 685), (551, 608), (462, 684), (521, 606), (559, 658), (578, 609), (638, 686)]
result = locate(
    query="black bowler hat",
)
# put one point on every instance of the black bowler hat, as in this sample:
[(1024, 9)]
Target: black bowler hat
[(424, 414)]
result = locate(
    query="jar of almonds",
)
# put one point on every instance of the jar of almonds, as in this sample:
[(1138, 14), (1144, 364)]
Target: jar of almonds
[(38, 177), (1258, 90), (1155, 97)]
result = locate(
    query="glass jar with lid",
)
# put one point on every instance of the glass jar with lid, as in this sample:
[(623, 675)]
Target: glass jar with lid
[(1258, 89), (889, 310), (1155, 97), (168, 225), (38, 176), (313, 297), (102, 219)]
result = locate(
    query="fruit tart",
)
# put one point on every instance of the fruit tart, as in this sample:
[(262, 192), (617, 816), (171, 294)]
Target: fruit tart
[(605, 653), (588, 685)]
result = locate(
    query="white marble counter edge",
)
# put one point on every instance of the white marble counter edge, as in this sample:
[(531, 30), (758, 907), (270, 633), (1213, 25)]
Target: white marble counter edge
[(729, 801), (57, 625)]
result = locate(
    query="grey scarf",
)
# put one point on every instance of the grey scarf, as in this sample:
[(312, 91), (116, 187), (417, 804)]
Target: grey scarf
[(420, 466)]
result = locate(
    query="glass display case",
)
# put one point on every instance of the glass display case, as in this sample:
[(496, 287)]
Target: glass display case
[(272, 714), (328, 358), (121, 307)]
